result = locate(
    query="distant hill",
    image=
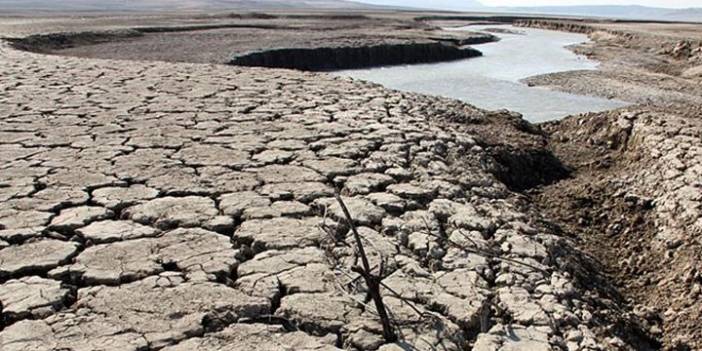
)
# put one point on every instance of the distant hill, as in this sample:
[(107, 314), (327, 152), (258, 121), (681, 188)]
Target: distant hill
[(694, 14), (159, 5), (608, 11), (613, 11), (451, 5)]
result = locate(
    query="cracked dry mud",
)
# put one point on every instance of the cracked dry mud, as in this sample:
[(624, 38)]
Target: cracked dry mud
[(152, 206)]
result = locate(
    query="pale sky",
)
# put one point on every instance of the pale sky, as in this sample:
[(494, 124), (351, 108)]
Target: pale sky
[(460, 3), (655, 3)]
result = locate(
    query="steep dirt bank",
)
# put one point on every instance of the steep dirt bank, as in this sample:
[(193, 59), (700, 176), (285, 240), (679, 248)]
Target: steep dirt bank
[(552, 24), (45, 43), (344, 57)]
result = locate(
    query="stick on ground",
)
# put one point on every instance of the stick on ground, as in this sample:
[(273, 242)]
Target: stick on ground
[(372, 281)]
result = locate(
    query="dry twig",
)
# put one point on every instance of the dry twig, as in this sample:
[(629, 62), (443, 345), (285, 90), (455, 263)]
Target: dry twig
[(372, 281)]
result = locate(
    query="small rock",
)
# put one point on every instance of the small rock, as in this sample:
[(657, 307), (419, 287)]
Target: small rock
[(38, 256), (277, 209), (410, 191), (304, 192), (116, 198), (31, 297), (110, 231), (333, 166), (280, 233), (389, 202), (18, 235), (284, 174), (76, 217), (363, 212), (173, 212), (318, 313), (213, 155), (273, 156), (242, 337), (17, 219), (364, 183), (234, 204), (400, 174)]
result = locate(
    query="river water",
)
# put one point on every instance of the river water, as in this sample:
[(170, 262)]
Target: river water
[(493, 80)]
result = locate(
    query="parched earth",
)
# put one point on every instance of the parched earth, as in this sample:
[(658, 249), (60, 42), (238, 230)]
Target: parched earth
[(150, 206)]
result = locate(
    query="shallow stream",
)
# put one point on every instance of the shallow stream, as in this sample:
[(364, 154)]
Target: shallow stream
[(493, 80)]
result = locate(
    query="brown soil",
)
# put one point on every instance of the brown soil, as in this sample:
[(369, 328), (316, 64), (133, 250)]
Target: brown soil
[(619, 227)]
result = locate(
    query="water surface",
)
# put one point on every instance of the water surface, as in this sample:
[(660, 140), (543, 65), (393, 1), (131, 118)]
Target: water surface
[(493, 80)]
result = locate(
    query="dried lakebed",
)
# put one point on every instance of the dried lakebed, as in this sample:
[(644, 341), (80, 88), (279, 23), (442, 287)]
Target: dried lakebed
[(175, 206), (492, 81)]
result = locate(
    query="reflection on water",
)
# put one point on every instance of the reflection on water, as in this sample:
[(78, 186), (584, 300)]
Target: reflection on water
[(492, 81)]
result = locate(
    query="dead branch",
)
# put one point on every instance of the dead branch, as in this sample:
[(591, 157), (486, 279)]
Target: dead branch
[(372, 281)]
